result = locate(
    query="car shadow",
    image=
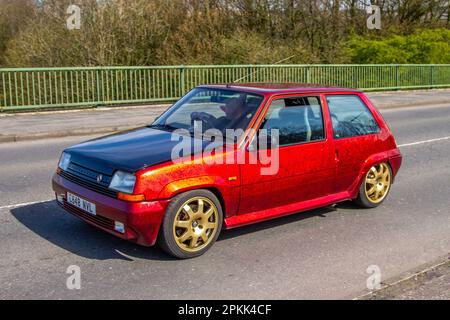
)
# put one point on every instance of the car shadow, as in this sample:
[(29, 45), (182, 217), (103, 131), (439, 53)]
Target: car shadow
[(70, 233), (348, 205)]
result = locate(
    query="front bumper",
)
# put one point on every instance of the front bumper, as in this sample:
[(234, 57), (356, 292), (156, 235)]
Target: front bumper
[(142, 220)]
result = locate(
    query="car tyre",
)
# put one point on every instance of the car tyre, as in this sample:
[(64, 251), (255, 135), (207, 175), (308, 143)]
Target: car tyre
[(191, 225)]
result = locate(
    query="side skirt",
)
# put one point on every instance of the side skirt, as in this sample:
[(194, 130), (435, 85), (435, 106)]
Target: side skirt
[(263, 215)]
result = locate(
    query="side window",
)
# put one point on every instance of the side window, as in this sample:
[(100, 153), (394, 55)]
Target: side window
[(350, 117), (298, 119)]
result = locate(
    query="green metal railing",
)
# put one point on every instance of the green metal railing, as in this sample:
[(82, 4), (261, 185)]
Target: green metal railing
[(95, 86)]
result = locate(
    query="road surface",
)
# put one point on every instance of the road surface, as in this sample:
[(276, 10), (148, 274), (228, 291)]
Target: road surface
[(319, 254)]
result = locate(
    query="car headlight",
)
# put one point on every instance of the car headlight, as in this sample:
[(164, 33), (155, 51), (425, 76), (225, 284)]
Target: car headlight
[(123, 182), (64, 161)]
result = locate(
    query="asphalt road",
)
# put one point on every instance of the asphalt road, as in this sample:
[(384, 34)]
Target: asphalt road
[(318, 254)]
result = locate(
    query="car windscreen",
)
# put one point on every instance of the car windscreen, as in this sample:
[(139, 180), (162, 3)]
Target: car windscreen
[(206, 109)]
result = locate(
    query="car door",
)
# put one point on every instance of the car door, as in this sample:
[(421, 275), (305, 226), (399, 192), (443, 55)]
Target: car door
[(304, 158), (355, 132)]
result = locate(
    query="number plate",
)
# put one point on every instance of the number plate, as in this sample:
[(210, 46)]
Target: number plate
[(84, 205)]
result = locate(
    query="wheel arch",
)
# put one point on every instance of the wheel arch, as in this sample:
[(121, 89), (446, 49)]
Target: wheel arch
[(213, 184), (371, 161), (219, 196)]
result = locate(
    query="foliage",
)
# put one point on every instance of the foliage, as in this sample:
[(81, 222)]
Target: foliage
[(33, 33), (424, 46)]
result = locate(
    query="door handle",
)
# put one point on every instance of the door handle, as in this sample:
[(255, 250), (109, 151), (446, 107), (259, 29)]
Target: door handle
[(336, 155)]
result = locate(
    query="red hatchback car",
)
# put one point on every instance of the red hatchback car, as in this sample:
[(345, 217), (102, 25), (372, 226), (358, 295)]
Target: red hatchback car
[(225, 156)]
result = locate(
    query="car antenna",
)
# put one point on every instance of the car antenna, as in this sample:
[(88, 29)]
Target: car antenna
[(248, 75)]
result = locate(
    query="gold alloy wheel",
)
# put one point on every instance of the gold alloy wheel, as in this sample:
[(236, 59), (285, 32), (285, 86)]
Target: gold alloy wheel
[(378, 182), (196, 224)]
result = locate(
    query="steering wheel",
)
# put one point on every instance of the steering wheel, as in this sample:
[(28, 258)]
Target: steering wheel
[(208, 121)]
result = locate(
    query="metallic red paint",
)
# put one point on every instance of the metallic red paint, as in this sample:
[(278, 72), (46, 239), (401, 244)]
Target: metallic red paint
[(311, 175)]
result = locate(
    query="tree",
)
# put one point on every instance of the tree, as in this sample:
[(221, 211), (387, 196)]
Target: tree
[(154, 32)]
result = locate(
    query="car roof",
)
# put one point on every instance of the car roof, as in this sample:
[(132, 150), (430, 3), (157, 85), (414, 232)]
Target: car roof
[(279, 88)]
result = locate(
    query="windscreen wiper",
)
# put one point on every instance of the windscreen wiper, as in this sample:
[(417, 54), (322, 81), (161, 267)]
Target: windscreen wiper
[(165, 127)]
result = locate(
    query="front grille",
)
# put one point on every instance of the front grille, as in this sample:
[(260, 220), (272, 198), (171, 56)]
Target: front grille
[(88, 179), (89, 174), (97, 219)]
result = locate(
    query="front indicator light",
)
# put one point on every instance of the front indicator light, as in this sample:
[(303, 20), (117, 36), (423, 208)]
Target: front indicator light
[(130, 197), (119, 227)]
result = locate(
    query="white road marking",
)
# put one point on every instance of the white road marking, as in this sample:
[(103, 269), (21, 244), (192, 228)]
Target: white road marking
[(12, 206), (424, 141)]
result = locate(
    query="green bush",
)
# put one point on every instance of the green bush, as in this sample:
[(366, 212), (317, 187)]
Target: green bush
[(424, 46)]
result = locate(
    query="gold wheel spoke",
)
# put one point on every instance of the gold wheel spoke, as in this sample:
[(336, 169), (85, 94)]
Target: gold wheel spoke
[(379, 194), (189, 211), (209, 213), (185, 236), (204, 237), (380, 171), (193, 241), (371, 190), (200, 206), (386, 175), (183, 224), (374, 196), (371, 181), (210, 225)]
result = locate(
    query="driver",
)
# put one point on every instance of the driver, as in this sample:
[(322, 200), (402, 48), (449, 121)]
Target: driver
[(233, 109)]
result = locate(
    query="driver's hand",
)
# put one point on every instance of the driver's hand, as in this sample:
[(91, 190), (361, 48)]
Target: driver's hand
[(199, 115)]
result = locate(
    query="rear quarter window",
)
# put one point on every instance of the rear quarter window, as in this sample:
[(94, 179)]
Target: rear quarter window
[(350, 116)]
